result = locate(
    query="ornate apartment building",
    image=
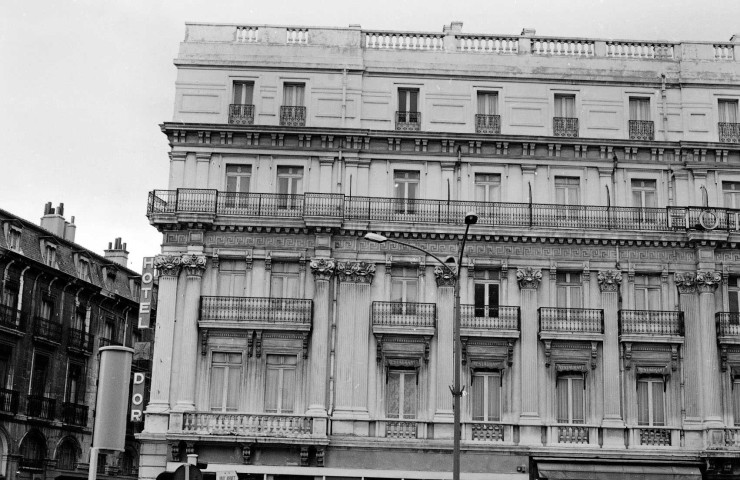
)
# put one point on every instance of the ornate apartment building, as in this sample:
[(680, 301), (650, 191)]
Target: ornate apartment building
[(600, 325)]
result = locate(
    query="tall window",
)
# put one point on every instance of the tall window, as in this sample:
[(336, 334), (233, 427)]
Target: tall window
[(280, 383), (243, 93), (10, 296), (75, 388), (67, 455), (401, 397), (486, 293), (109, 329), (487, 103), (238, 178), (84, 269), (736, 398), (733, 293), (567, 190), (33, 450), (406, 186), (50, 255), (47, 309), (408, 104), (647, 292), (6, 380), (651, 402), (404, 284), (565, 105), (78, 320), (731, 194), (487, 187), (290, 184), (14, 239), (486, 396), (284, 280), (40, 374), (727, 110), (571, 405), (569, 290), (293, 94), (226, 374), (639, 108), (231, 276)]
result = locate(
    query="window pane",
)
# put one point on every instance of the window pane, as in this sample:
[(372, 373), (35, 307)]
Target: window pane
[(409, 395), (272, 386), (736, 400), (562, 400), (477, 389), (232, 392), (578, 406), (643, 404), (392, 395), (288, 390), (658, 404), (494, 397), (217, 388)]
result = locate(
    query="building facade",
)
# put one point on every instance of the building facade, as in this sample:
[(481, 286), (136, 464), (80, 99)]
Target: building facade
[(60, 302), (599, 286)]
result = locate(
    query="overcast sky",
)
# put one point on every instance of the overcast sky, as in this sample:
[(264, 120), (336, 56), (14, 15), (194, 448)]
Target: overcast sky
[(85, 84)]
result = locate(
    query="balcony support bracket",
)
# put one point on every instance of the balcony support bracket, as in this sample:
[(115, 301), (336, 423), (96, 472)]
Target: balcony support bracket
[(627, 355)]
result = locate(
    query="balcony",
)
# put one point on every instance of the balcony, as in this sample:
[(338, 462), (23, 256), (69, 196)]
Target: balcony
[(726, 439), (489, 124), (246, 424), (241, 114), (573, 434), (258, 312), (47, 331), (40, 407), (566, 322), (80, 341), (729, 132), (501, 321), (728, 327), (565, 127), (644, 436), (488, 432), (408, 121), (292, 116), (12, 321), (74, 414), (651, 325), (405, 318), (8, 401), (401, 428), (642, 130)]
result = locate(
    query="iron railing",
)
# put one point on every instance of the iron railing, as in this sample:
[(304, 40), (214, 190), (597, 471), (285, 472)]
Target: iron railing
[(729, 132), (490, 124), (8, 401), (241, 114), (651, 322), (211, 423), (80, 340), (46, 329), (12, 318), (642, 130), (404, 314), (74, 414), (571, 320), (490, 318), (728, 324), (565, 127), (39, 406), (256, 309), (408, 121), (292, 116)]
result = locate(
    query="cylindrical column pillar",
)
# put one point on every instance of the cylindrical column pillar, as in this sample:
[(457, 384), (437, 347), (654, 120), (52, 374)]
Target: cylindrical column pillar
[(529, 280), (687, 293), (322, 269), (707, 283), (613, 424), (445, 363), (194, 266)]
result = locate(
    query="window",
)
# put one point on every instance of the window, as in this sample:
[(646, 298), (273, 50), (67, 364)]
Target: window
[(401, 394), (293, 94), (231, 277), (639, 108), (6, 372), (293, 111), (487, 103), (290, 184), (643, 194), (647, 292), (284, 280), (78, 321), (238, 178), (487, 187), (50, 255), (243, 93), (408, 104), (75, 388), (40, 374), (67, 455), (406, 190), (565, 105), (84, 269), (567, 190), (733, 293), (33, 451), (10, 296), (568, 290), (486, 293), (47, 309), (486, 396), (226, 373), (727, 110), (736, 398), (14, 239), (731, 194), (571, 406), (280, 383), (404, 290), (487, 120), (651, 402), (109, 330)]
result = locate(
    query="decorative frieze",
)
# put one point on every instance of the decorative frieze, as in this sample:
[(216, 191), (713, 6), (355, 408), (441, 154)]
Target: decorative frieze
[(167, 265), (685, 282), (445, 276), (355, 272), (609, 280), (194, 265), (529, 277), (708, 281), (323, 268)]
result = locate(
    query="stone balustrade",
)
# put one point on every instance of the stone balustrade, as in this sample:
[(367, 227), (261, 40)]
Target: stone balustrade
[(253, 425), (488, 43), (563, 46)]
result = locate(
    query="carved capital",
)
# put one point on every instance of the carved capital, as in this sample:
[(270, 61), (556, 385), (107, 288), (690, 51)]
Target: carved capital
[(445, 276), (355, 272), (194, 265), (322, 268), (685, 282), (529, 277), (609, 280), (167, 265), (708, 281)]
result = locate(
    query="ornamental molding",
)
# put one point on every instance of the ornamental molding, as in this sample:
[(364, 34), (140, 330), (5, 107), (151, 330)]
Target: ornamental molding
[(529, 277), (355, 272), (708, 281), (609, 280), (194, 265), (323, 268), (167, 265), (445, 276), (685, 282)]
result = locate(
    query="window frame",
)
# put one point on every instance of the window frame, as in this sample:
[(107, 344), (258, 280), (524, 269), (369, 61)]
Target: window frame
[(569, 285), (567, 184), (234, 84), (650, 380), (489, 184), (239, 176), (280, 395), (486, 415), (227, 367), (728, 101), (570, 377), (733, 194), (402, 373), (489, 278)]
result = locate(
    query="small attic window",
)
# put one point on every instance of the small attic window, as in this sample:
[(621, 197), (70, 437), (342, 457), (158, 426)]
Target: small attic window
[(50, 255), (14, 238)]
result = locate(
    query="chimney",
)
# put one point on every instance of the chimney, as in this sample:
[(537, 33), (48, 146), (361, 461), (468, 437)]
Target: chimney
[(53, 220), (70, 229), (117, 253)]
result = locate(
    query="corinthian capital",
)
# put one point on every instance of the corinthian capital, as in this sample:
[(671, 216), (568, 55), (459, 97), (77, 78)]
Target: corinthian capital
[(322, 268), (445, 276), (685, 282), (355, 272), (167, 265), (194, 265), (708, 281), (609, 280), (529, 277)]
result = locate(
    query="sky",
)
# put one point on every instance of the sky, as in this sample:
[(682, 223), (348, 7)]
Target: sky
[(85, 84)]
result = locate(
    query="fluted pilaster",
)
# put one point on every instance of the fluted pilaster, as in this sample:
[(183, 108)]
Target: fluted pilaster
[(609, 283), (193, 266), (706, 284), (445, 279), (529, 281), (687, 293), (322, 270)]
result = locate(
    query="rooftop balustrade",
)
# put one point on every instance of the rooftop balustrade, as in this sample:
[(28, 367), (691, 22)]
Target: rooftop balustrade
[(571, 320), (651, 322), (289, 312)]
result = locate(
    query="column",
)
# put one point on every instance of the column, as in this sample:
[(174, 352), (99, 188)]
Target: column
[(613, 424), (168, 267), (445, 360), (194, 266), (707, 283), (529, 280), (687, 294), (322, 269)]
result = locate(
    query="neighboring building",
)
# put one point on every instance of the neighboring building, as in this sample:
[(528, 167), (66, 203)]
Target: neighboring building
[(606, 178), (60, 302)]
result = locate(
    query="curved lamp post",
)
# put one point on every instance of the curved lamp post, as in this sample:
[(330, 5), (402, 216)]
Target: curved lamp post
[(471, 218)]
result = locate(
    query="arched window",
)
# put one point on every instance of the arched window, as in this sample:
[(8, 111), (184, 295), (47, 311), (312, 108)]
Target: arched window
[(67, 454), (33, 452)]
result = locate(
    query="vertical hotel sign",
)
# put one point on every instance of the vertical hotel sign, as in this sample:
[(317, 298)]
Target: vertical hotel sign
[(145, 300)]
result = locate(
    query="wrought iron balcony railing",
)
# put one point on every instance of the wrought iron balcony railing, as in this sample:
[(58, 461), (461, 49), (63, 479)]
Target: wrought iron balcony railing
[(571, 320), (289, 311), (74, 414), (164, 204), (651, 322), (39, 406), (408, 121), (490, 318), (292, 116), (12, 319), (565, 127), (729, 132), (728, 324), (80, 340), (253, 425), (8, 401), (47, 330), (241, 114), (490, 124), (404, 314), (642, 130)]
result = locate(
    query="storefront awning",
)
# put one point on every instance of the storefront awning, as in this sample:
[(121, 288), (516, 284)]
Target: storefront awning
[(581, 471)]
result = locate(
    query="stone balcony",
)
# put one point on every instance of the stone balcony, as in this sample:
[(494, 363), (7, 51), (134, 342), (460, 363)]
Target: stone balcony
[(41, 407), (287, 428), (728, 327)]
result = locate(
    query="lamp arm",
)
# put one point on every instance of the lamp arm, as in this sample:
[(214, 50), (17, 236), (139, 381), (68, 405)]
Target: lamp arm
[(428, 253)]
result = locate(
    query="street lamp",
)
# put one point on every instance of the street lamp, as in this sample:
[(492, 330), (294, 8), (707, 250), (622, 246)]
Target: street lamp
[(471, 218)]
